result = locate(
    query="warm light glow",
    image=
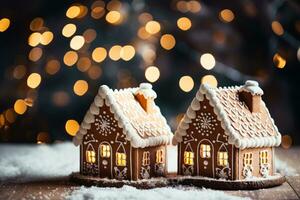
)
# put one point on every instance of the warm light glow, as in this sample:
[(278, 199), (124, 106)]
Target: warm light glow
[(60, 98), (143, 34), (83, 11), (279, 61), (34, 39), (19, 72), (52, 67), (184, 23), (83, 64), (152, 27), (77, 42), (210, 80), (4, 24), (182, 6), (186, 83), (113, 17), (2, 120), (89, 35), (69, 30), (46, 38), (10, 116), (42, 137), (98, 12), (94, 72), (35, 54), (36, 24), (72, 127), (114, 52), (34, 80), (127, 52), (114, 5), (20, 107), (152, 74), (286, 141), (167, 41), (80, 87), (194, 6), (73, 12), (145, 17), (99, 54), (207, 61), (277, 28), (70, 58), (226, 15)]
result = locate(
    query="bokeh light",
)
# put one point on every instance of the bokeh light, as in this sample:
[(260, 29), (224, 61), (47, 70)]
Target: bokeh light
[(73, 12), (70, 58), (69, 30), (186, 83), (42, 138), (145, 17), (210, 80), (20, 106), (207, 61), (52, 66), (286, 141), (114, 52), (184, 23), (84, 63), (277, 28), (35, 54), (94, 72), (34, 80), (226, 15), (279, 61), (80, 87), (60, 98), (34, 39), (167, 41), (152, 74), (89, 35), (143, 34), (36, 24), (19, 71), (99, 54), (127, 52), (46, 37), (77, 42), (113, 17), (152, 27), (4, 24), (72, 127)]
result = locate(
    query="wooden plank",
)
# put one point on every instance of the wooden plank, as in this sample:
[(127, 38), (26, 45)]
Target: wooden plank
[(294, 182)]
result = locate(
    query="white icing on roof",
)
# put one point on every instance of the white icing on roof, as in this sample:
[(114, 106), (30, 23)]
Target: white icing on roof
[(142, 129), (252, 87), (244, 129), (146, 90)]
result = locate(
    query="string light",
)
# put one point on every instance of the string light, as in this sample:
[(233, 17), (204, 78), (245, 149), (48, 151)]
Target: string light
[(127, 52), (94, 72), (4, 24), (35, 54), (152, 74), (36, 24), (152, 27), (10, 116), (286, 142), (186, 83), (113, 17), (279, 61), (70, 58), (114, 52), (52, 67), (226, 15), (19, 72), (72, 127), (73, 12), (20, 106), (60, 98), (207, 61), (99, 54), (83, 64), (80, 87), (34, 39), (69, 30), (34, 80), (184, 23), (210, 80), (77, 42), (277, 28), (143, 34), (98, 12), (46, 37), (145, 17), (89, 35), (167, 41)]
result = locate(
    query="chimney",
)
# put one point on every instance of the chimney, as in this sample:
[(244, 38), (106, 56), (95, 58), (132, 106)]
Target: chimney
[(145, 96), (251, 94)]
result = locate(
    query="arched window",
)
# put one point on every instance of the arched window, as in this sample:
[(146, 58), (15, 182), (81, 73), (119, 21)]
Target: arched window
[(247, 159), (263, 157), (104, 151), (160, 156), (90, 154), (120, 159), (222, 158), (146, 158), (188, 158), (205, 151)]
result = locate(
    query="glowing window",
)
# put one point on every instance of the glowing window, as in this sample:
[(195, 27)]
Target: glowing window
[(222, 158), (263, 157), (248, 159), (146, 158), (188, 158), (205, 151), (90, 156), (120, 159), (160, 156), (104, 151)]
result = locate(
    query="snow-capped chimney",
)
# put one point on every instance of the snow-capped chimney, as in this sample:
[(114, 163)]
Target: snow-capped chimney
[(251, 94), (145, 96)]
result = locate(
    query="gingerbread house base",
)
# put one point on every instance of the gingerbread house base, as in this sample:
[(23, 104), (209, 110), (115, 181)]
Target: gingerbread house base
[(221, 184)]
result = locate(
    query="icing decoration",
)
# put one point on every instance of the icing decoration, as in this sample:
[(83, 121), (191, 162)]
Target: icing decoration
[(188, 170), (252, 87), (159, 169), (120, 174), (145, 89), (264, 170), (145, 172), (247, 172)]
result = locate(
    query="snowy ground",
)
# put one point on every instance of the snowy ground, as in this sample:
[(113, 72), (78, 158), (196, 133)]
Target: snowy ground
[(22, 163)]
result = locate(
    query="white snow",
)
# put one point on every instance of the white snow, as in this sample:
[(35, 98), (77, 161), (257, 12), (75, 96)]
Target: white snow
[(19, 163), (172, 158), (283, 168), (128, 192)]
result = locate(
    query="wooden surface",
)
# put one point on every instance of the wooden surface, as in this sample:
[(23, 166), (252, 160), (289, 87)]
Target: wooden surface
[(60, 188)]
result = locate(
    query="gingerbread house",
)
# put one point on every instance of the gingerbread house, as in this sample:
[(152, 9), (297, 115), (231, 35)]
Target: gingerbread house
[(227, 133), (123, 135)]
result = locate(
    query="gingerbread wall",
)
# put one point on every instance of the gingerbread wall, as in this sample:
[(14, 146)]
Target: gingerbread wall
[(206, 129), (105, 130)]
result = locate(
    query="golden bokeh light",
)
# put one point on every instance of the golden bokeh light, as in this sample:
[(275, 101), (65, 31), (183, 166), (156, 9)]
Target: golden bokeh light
[(4, 24), (143, 34), (152, 27), (35, 54), (115, 52), (72, 127), (226, 15), (83, 11), (73, 12), (34, 39), (277, 28), (186, 83), (29, 101), (167, 41), (152, 74), (114, 5), (34, 80), (46, 38), (279, 61), (69, 30), (77, 42), (94, 72), (97, 12), (2, 120), (286, 141), (20, 106), (184, 23), (83, 64), (207, 61), (80, 87), (36, 24), (99, 54), (182, 6), (10, 116), (127, 52), (52, 66), (113, 17), (145, 17), (19, 72), (61, 98), (89, 35), (210, 80), (42, 138), (194, 6), (70, 58)]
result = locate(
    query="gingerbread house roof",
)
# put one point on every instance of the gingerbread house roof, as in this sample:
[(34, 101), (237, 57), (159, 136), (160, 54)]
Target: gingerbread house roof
[(245, 129), (142, 129)]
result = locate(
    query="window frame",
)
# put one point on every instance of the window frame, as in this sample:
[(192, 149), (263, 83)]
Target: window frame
[(263, 157), (248, 159), (205, 152), (105, 151), (146, 158), (188, 158), (90, 156), (160, 159), (222, 158), (121, 159)]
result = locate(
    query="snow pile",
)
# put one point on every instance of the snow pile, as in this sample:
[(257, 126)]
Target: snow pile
[(128, 192), (19, 163), (283, 168)]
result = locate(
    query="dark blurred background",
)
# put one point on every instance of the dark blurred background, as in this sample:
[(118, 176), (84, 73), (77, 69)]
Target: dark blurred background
[(55, 54)]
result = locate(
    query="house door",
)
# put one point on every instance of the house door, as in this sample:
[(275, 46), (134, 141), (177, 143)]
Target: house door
[(205, 155), (105, 160)]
